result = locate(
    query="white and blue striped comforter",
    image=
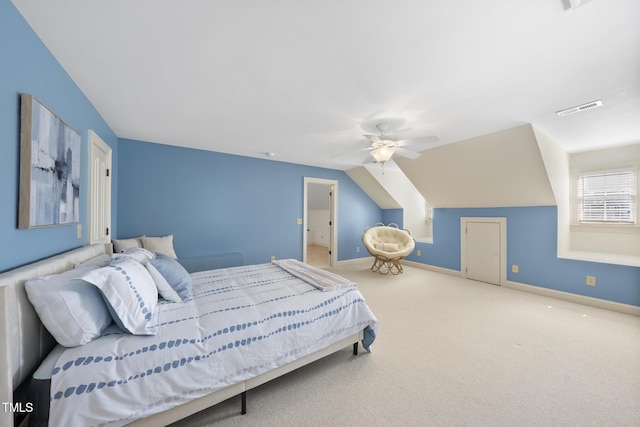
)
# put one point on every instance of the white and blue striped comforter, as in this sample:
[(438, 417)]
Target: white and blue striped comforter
[(241, 322)]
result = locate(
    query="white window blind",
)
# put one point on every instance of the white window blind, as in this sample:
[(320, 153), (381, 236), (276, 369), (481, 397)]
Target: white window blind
[(608, 197)]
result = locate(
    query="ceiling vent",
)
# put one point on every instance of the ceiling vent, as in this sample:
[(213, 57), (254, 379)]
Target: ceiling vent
[(579, 108)]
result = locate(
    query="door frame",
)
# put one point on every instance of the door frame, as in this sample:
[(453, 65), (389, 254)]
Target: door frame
[(95, 174), (502, 221), (333, 217)]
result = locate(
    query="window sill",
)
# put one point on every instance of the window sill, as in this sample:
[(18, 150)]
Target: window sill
[(629, 260), (424, 240), (608, 228)]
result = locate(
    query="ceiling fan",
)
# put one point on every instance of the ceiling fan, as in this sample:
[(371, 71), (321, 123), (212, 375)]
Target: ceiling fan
[(401, 143)]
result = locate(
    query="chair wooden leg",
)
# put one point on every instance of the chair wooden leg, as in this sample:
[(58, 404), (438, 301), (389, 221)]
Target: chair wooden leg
[(374, 266), (378, 264), (397, 267), (385, 265)]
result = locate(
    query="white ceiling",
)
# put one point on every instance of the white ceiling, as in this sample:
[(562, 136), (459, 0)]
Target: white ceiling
[(298, 78)]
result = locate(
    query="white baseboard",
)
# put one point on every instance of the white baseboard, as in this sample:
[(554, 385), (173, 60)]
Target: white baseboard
[(566, 296), (432, 268), (355, 260), (579, 299), (406, 262)]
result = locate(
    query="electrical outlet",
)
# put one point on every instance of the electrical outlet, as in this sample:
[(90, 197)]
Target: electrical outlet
[(515, 268), (79, 231), (357, 248), (591, 281), (298, 221), (419, 252), (273, 257)]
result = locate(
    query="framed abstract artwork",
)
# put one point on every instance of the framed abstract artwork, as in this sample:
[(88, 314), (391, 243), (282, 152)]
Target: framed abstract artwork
[(49, 167)]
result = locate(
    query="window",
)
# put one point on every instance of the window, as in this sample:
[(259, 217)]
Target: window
[(607, 197)]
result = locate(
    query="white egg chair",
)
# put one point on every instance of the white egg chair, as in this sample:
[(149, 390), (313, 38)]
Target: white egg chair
[(388, 244)]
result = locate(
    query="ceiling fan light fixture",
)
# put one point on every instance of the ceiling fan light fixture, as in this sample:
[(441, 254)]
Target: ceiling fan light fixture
[(384, 153)]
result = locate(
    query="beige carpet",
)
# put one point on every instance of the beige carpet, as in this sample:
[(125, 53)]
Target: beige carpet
[(454, 352)]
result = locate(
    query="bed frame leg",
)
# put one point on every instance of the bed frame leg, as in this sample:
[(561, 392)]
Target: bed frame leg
[(243, 400), (355, 349)]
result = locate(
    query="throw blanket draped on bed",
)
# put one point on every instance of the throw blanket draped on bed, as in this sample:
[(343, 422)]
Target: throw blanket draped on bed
[(321, 279), (241, 322)]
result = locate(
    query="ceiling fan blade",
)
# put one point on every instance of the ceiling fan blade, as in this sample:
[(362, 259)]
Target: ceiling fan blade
[(403, 152), (355, 158), (407, 133), (354, 149), (418, 144)]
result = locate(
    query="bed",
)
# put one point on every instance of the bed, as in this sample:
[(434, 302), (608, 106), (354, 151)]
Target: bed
[(243, 326)]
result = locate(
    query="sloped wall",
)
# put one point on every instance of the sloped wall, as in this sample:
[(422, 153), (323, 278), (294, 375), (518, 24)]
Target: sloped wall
[(499, 169), (390, 188), (373, 188), (556, 161), (414, 216)]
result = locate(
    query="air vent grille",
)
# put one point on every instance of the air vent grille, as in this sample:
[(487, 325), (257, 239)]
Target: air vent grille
[(579, 108)]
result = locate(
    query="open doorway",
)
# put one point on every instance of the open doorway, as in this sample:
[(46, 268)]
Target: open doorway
[(319, 239)]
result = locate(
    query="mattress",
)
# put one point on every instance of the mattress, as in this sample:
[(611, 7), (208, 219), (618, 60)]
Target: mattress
[(241, 322)]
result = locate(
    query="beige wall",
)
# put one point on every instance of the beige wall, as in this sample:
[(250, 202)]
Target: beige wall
[(556, 162), (495, 170)]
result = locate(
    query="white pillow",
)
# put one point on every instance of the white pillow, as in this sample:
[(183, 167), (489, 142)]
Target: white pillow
[(164, 288), (130, 293), (71, 309), (120, 245), (387, 247), (163, 244), (99, 261), (140, 255)]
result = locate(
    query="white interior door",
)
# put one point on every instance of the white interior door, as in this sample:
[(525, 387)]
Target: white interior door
[(99, 190), (483, 244), (332, 188), (332, 215)]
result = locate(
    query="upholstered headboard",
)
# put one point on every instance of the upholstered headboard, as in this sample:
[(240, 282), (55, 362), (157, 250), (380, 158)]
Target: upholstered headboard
[(24, 342)]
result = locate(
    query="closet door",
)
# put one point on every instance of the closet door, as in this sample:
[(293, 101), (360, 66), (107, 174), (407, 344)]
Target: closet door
[(483, 249)]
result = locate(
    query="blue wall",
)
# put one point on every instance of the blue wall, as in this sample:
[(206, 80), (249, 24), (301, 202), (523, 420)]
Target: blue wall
[(531, 244), (213, 202), (27, 66), (395, 216)]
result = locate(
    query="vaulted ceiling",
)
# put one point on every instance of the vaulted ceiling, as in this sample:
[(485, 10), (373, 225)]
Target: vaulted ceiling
[(298, 79)]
